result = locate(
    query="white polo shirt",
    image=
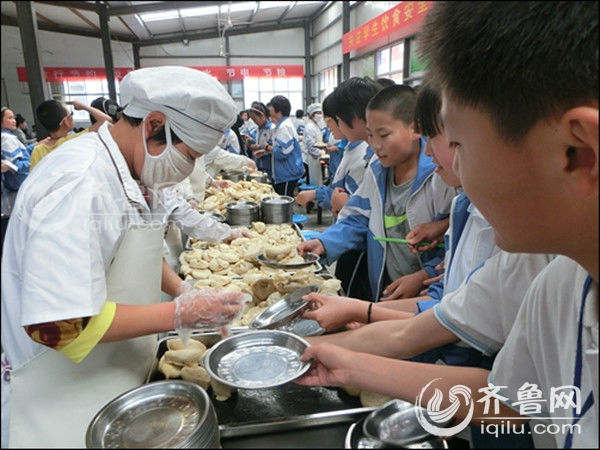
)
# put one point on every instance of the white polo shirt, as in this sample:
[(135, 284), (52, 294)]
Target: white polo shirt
[(542, 346), (70, 216), (483, 310)]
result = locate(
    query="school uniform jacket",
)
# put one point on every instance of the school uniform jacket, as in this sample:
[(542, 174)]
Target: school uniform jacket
[(362, 218), (287, 154)]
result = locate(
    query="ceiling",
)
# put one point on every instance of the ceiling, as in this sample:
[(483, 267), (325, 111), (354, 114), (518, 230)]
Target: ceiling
[(154, 22)]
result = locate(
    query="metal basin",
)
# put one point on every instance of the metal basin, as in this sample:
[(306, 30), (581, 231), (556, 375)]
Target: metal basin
[(242, 213), (285, 310), (277, 209), (257, 359), (162, 414), (233, 175)]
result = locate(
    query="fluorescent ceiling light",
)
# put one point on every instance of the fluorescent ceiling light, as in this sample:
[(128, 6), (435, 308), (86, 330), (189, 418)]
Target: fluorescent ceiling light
[(238, 6), (200, 11), (162, 15)]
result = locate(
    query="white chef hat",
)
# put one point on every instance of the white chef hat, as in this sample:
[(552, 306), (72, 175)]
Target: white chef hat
[(313, 108), (197, 106)]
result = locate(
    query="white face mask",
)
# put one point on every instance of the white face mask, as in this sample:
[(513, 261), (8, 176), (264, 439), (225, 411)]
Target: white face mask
[(168, 168)]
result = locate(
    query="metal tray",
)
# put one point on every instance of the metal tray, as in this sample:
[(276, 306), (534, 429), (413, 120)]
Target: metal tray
[(287, 407), (285, 310), (257, 359), (309, 259)]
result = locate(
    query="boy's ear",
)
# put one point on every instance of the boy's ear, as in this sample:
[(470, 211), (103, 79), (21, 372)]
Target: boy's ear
[(414, 134), (580, 126)]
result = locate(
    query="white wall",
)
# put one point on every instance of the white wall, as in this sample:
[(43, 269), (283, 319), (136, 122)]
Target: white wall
[(55, 49)]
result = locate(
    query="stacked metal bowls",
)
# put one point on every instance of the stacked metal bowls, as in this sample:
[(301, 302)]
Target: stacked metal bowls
[(162, 414), (242, 213), (258, 177), (277, 209)]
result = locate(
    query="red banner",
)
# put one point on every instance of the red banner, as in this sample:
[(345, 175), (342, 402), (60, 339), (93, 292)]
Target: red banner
[(221, 73), (404, 19)]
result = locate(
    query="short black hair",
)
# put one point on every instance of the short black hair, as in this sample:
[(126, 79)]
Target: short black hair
[(329, 107), (427, 111), (281, 104), (160, 136), (107, 106), (50, 113), (520, 61), (19, 119), (299, 113), (385, 82), (399, 100), (260, 107), (352, 97)]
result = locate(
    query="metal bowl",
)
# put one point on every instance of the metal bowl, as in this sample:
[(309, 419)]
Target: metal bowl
[(309, 258), (233, 175), (285, 310), (258, 177), (169, 413), (242, 213), (303, 327), (396, 424), (257, 359), (277, 209)]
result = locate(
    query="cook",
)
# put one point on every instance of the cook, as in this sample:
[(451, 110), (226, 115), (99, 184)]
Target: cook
[(82, 265)]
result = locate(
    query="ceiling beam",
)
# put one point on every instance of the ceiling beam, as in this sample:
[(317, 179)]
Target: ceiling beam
[(128, 27), (85, 19), (152, 7), (7, 20), (235, 30), (321, 10), (45, 19), (77, 5), (286, 12), (256, 6)]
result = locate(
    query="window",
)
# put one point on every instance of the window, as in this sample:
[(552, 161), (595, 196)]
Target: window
[(84, 91), (265, 88), (327, 82), (390, 62)]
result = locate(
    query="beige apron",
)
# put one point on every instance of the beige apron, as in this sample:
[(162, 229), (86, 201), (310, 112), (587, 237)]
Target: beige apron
[(53, 400)]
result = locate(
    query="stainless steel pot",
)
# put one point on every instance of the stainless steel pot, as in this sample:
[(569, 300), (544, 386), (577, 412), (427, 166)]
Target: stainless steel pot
[(242, 213), (258, 177), (233, 175), (277, 209)]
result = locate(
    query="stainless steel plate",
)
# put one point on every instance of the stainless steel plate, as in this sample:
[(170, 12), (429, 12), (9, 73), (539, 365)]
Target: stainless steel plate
[(395, 424), (257, 359), (303, 327), (285, 310), (309, 258), (160, 414)]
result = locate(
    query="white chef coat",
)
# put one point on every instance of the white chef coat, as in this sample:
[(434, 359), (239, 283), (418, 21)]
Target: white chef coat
[(218, 159), (541, 347), (68, 222), (483, 310)]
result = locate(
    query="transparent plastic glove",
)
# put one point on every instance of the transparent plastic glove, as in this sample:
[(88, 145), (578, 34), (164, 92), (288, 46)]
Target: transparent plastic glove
[(206, 309)]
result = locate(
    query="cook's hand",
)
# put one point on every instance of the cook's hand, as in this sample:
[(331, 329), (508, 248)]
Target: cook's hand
[(220, 184), (332, 365), (313, 246), (235, 234), (405, 287), (193, 203), (304, 197), (334, 311), (206, 308), (5, 168), (251, 167)]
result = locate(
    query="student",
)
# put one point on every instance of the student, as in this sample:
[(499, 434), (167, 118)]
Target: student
[(107, 106), (59, 122), (229, 142), (21, 131), (249, 127), (285, 149), (398, 191), (15, 155), (469, 240), (264, 136), (521, 158)]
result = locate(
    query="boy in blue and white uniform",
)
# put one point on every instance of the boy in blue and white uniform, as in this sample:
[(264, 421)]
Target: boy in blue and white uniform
[(264, 136), (285, 150)]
